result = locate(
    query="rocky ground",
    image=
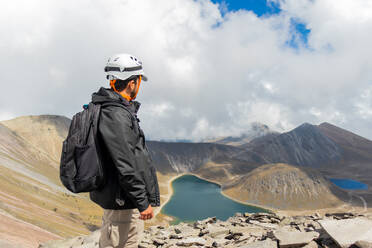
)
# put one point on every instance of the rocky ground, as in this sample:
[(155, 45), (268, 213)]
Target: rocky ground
[(251, 231)]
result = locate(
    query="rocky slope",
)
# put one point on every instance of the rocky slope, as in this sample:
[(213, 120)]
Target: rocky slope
[(45, 132), (305, 145), (169, 157), (252, 231), (32, 199), (284, 187), (186, 157), (356, 150)]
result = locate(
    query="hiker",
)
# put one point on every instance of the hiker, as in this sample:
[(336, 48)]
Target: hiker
[(131, 188)]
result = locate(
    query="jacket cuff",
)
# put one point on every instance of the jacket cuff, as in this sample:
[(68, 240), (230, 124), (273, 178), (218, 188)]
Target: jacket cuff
[(143, 205)]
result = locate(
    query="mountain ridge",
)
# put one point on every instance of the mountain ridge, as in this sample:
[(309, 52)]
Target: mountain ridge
[(34, 143)]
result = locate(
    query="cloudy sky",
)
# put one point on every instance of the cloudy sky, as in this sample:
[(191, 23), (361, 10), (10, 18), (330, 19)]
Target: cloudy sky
[(214, 67)]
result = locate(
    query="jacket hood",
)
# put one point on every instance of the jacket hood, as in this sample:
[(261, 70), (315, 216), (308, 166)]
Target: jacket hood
[(105, 95)]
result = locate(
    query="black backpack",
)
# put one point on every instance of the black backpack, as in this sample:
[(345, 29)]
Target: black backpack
[(81, 167)]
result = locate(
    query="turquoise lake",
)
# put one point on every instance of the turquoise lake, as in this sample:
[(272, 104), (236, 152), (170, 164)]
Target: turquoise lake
[(348, 183), (196, 199)]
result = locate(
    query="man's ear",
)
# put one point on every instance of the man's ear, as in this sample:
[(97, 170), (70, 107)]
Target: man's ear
[(130, 84), (133, 82)]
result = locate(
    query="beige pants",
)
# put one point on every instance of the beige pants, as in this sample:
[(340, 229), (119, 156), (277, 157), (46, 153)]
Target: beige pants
[(121, 228)]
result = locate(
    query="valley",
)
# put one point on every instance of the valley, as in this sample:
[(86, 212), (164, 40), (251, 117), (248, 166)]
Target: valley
[(284, 172)]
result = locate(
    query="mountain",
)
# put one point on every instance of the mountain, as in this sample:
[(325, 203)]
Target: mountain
[(295, 165), (322, 146), (282, 186), (356, 160), (178, 157), (34, 206), (333, 151), (44, 132), (305, 145), (355, 149), (255, 130)]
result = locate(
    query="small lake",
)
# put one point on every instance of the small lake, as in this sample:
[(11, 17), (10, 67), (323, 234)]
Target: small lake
[(348, 183), (196, 199)]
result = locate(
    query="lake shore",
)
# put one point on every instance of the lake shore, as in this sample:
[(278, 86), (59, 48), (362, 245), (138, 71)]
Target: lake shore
[(170, 191), (233, 199), (169, 194)]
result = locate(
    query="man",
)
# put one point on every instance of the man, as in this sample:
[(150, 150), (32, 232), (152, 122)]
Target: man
[(131, 188)]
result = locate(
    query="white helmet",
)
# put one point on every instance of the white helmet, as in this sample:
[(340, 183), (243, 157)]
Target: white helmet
[(123, 66)]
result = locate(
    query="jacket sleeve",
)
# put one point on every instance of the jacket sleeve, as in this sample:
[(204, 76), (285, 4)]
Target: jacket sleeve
[(115, 128)]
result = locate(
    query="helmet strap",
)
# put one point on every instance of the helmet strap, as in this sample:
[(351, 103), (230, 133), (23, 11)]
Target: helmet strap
[(138, 86)]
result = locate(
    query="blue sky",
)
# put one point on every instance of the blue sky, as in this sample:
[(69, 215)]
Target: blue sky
[(264, 8), (259, 7)]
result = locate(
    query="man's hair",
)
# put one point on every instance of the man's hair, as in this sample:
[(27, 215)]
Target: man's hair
[(122, 84)]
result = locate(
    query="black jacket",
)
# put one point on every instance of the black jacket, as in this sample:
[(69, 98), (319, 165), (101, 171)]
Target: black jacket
[(131, 179)]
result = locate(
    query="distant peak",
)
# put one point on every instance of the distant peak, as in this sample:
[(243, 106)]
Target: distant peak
[(306, 124), (326, 124)]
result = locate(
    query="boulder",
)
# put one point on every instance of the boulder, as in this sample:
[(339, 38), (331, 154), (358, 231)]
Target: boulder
[(346, 232), (268, 243), (158, 242), (363, 244), (312, 244), (191, 241), (215, 231), (294, 238)]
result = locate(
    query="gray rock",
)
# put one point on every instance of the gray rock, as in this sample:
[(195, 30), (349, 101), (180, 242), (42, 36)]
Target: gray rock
[(191, 241), (269, 225), (218, 243), (146, 246), (199, 225), (346, 232), (312, 244), (254, 222), (234, 236), (186, 230), (209, 220), (245, 239), (363, 244), (203, 232), (214, 231), (175, 236), (158, 242), (294, 238), (340, 216), (268, 243)]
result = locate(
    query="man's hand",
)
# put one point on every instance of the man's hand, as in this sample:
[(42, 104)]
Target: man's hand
[(147, 214)]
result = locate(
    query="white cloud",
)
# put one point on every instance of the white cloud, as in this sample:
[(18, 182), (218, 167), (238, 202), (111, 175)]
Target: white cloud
[(208, 74), (364, 104), (6, 116)]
